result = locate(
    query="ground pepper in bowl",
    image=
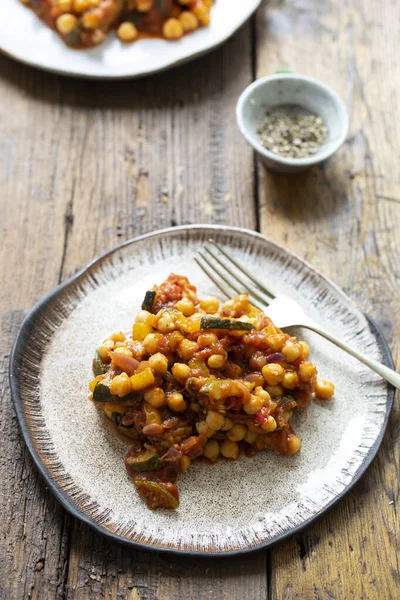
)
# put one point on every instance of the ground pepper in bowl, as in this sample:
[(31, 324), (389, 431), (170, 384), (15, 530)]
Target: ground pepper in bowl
[(292, 132)]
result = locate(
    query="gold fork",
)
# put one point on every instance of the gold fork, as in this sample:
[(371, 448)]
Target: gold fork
[(233, 278)]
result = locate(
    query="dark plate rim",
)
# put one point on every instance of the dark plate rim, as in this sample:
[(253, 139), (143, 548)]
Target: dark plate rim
[(66, 501)]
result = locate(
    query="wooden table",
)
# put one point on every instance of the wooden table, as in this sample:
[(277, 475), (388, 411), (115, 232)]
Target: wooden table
[(86, 165)]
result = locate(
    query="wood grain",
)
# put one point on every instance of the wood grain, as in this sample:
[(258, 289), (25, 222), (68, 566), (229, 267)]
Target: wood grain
[(87, 165), (34, 547), (344, 218)]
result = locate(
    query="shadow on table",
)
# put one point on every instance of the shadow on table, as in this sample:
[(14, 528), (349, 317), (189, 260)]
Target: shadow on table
[(310, 196), (189, 83)]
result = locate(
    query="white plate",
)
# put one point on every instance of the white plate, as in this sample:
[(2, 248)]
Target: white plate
[(227, 507), (29, 40)]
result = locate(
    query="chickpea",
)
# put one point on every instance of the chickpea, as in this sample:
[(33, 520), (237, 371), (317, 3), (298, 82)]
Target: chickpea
[(273, 373), (187, 349), (165, 323), (121, 385), (174, 340), (210, 304), (127, 32), (229, 449), (151, 341), (189, 22), (227, 307), (250, 437), (181, 372), (216, 361), (172, 29), (257, 361), (123, 350), (237, 433), (290, 380), (307, 372), (291, 351), (66, 23), (276, 341), (211, 450), (269, 425), (144, 316), (159, 363), (105, 348), (80, 5), (293, 444), (176, 402), (118, 336), (324, 389), (305, 349), (64, 5), (206, 339), (256, 403), (185, 306), (256, 379), (202, 12), (259, 391), (275, 391), (228, 424), (202, 427), (215, 420), (155, 397)]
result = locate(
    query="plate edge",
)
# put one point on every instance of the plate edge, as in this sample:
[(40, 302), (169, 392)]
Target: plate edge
[(29, 321)]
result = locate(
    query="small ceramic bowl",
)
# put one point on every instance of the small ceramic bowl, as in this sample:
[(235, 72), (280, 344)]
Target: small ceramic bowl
[(291, 89)]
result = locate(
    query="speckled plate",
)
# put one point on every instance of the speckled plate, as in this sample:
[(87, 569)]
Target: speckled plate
[(30, 41), (227, 507)]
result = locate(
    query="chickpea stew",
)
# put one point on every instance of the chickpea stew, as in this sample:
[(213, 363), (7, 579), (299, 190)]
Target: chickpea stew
[(200, 379), (86, 23)]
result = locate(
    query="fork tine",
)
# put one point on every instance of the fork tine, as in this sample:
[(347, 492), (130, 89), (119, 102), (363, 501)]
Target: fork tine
[(265, 299), (209, 274), (234, 287), (267, 290)]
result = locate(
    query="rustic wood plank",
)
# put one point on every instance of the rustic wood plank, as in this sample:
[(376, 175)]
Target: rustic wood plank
[(169, 154), (90, 164), (344, 218), (157, 152), (34, 548)]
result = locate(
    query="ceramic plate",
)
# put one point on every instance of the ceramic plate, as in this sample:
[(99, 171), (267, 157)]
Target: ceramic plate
[(33, 43), (227, 507)]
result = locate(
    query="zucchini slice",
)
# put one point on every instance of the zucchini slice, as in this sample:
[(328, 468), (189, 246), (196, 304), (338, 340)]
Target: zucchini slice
[(228, 324), (101, 393), (147, 460), (148, 301), (99, 368), (156, 495)]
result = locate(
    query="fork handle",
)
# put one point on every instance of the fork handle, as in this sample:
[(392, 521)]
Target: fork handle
[(389, 374)]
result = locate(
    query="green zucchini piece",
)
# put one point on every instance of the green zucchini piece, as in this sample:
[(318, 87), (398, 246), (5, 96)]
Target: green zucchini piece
[(148, 301), (155, 494), (147, 460), (228, 324), (101, 393), (99, 368)]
